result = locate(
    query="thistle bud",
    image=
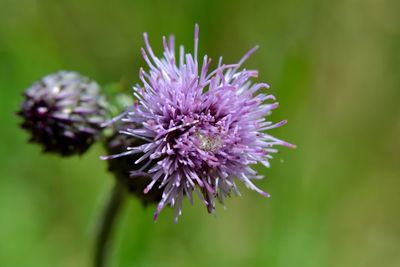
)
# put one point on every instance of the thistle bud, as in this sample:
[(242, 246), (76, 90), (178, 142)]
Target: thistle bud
[(63, 113), (134, 180)]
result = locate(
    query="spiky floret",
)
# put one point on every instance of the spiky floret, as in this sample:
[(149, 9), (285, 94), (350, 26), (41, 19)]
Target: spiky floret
[(202, 130), (135, 182), (63, 112)]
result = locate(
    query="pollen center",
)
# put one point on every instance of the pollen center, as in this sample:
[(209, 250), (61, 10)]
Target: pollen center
[(209, 143)]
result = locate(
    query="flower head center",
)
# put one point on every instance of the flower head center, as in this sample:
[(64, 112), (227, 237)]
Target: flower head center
[(209, 143)]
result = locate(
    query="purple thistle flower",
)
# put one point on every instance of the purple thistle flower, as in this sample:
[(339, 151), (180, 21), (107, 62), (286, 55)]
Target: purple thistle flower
[(202, 130), (63, 112)]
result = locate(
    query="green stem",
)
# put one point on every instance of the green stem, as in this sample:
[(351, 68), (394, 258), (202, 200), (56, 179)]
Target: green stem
[(105, 228)]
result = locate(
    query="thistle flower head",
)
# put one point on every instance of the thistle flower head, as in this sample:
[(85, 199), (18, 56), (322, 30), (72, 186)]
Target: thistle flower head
[(63, 112), (201, 129)]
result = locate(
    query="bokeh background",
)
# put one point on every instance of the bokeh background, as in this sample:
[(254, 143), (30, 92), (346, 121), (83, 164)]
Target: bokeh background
[(334, 67)]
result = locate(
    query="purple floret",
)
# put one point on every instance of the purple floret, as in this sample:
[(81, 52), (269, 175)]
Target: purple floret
[(202, 130)]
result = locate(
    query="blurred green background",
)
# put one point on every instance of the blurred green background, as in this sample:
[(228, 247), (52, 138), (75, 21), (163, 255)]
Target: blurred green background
[(334, 67)]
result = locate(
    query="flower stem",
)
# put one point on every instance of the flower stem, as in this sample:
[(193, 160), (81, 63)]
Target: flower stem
[(105, 228)]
